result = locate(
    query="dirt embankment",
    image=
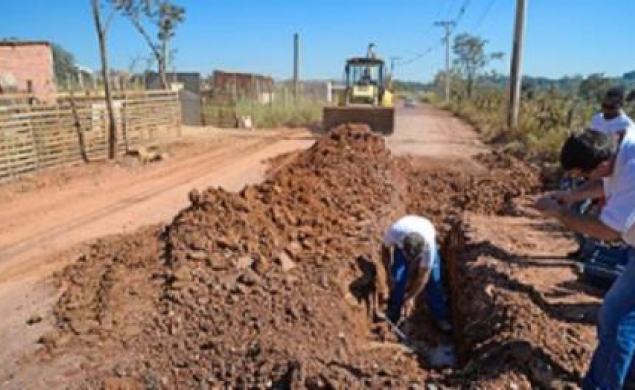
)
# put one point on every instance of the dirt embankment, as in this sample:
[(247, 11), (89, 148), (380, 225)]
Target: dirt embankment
[(271, 286)]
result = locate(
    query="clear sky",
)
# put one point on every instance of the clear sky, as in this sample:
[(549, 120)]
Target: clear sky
[(564, 37)]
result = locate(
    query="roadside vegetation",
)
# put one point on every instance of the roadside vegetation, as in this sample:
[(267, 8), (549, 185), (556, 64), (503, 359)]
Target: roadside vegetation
[(550, 109), (282, 111)]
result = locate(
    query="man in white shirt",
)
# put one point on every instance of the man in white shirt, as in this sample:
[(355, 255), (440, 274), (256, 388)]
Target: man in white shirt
[(612, 120), (413, 265), (609, 164)]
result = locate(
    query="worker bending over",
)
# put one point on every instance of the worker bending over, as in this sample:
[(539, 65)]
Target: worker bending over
[(413, 265)]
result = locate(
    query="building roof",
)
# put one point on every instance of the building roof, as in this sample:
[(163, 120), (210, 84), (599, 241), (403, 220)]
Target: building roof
[(23, 43), (242, 74), (364, 61)]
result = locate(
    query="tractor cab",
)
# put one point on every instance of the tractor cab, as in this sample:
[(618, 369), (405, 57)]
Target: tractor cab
[(365, 80)]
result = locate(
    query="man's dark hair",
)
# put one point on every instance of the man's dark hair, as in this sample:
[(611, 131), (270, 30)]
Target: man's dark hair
[(615, 93), (586, 150), (413, 245)]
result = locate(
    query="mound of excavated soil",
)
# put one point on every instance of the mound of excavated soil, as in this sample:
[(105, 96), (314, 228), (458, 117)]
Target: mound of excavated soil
[(270, 286)]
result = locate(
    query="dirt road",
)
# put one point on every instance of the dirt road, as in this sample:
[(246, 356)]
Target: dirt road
[(429, 132)]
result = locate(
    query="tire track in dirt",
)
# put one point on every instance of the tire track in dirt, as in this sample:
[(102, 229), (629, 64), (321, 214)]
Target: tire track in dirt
[(160, 173), (176, 177)]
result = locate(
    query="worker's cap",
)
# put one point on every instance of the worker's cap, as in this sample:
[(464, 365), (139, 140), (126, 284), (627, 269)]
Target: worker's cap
[(413, 245)]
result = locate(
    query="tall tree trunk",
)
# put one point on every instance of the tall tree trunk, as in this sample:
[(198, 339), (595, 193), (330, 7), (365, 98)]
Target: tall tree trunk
[(112, 125), (163, 64)]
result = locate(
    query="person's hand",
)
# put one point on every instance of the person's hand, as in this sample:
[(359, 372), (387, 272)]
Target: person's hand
[(548, 205), (408, 308), (563, 196)]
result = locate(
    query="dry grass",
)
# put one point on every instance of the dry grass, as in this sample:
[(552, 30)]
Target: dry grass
[(545, 122), (282, 112)]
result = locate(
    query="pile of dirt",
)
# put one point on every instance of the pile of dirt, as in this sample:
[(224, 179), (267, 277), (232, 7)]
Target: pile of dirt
[(271, 286), (440, 193), (510, 331)]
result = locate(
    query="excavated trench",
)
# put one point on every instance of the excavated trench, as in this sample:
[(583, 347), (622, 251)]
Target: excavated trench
[(273, 286)]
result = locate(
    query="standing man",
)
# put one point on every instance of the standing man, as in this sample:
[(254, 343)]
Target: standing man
[(412, 264), (612, 120), (609, 165)]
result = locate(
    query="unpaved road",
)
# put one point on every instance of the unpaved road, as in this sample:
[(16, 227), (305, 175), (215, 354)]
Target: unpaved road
[(37, 226)]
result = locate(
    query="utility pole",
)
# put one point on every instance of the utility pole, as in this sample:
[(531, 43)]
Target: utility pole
[(392, 65), (515, 71), (447, 25), (296, 66)]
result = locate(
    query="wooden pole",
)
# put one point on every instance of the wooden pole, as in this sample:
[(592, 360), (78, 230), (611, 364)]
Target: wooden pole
[(296, 66), (447, 25), (515, 71)]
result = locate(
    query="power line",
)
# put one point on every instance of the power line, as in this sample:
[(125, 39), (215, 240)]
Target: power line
[(450, 9), (425, 35), (488, 8), (459, 15), (450, 28), (417, 57)]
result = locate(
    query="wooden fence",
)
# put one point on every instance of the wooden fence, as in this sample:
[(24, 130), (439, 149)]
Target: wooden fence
[(219, 110), (39, 136)]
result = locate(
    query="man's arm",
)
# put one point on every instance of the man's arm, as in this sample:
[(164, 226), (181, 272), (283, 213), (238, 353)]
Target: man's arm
[(592, 189), (589, 225), (417, 279), (386, 260)]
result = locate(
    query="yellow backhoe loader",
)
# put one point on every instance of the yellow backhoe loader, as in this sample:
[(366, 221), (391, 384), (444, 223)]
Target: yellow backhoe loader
[(366, 96)]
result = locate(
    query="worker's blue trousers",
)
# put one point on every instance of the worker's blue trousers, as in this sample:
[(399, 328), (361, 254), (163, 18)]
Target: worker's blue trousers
[(436, 298), (612, 358)]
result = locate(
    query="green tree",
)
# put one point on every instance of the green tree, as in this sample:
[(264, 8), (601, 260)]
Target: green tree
[(154, 17), (471, 58), (594, 87), (63, 64)]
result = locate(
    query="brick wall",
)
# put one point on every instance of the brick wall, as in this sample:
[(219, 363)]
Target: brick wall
[(244, 83), (24, 62)]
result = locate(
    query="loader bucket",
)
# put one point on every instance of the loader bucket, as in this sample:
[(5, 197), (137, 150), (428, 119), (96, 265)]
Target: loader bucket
[(379, 119)]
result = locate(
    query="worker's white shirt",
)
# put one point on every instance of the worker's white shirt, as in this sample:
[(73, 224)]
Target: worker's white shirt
[(629, 234), (414, 224), (612, 126), (619, 189)]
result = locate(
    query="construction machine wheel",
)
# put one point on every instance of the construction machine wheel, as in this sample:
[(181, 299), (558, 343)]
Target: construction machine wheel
[(379, 119)]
